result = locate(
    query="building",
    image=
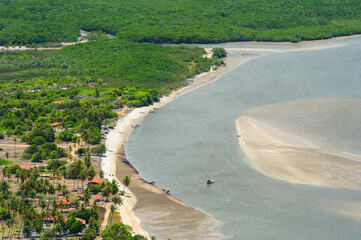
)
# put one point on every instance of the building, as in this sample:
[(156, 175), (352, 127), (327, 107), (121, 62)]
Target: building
[(95, 181)]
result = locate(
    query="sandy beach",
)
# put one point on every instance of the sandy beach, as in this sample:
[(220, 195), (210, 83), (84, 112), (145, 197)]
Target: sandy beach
[(298, 158), (149, 210)]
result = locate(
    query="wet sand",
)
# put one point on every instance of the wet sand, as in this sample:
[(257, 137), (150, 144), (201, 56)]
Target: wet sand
[(149, 210), (297, 158)]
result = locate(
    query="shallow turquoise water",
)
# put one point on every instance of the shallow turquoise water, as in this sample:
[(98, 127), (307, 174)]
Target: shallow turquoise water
[(194, 138)]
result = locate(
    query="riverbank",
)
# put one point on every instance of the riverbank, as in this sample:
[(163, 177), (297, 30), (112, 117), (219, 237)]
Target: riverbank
[(297, 44), (290, 141), (148, 209), (285, 44)]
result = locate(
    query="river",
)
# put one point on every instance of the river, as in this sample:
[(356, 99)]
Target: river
[(194, 138)]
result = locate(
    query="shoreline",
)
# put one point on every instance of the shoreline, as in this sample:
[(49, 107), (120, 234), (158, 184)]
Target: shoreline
[(298, 44), (261, 43), (162, 214), (283, 156)]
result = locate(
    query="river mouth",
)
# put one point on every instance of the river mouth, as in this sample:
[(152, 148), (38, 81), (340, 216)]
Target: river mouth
[(194, 138), (312, 141)]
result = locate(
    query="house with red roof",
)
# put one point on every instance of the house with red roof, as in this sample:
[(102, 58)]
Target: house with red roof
[(64, 202), (96, 198), (55, 124), (28, 167), (95, 181)]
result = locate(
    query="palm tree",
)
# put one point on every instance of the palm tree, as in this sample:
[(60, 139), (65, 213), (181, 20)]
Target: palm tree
[(105, 193), (83, 176), (114, 187), (91, 173), (117, 200), (87, 196), (63, 172), (17, 175), (87, 160), (126, 181), (4, 186), (112, 210), (15, 143), (42, 204), (76, 204), (51, 189), (36, 172), (4, 172), (101, 174), (64, 190), (57, 174), (58, 187)]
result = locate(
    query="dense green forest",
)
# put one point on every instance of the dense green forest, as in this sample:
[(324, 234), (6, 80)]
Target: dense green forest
[(117, 61), (178, 21), (79, 85)]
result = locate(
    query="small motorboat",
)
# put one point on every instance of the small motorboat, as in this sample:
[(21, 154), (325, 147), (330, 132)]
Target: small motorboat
[(210, 181)]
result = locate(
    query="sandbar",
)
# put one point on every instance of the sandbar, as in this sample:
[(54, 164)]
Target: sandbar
[(300, 157)]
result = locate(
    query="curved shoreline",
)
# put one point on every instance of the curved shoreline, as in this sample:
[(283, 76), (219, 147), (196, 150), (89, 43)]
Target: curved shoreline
[(285, 155), (162, 215)]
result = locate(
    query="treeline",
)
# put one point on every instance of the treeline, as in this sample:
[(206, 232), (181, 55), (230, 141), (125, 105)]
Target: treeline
[(175, 21), (119, 62)]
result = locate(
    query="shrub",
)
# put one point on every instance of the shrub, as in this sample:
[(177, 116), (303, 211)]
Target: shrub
[(99, 150), (81, 151), (55, 164), (53, 155), (38, 140), (76, 227), (1, 135), (95, 188), (37, 157), (19, 130), (26, 156), (66, 136), (49, 147), (31, 149), (219, 52), (5, 162), (61, 152)]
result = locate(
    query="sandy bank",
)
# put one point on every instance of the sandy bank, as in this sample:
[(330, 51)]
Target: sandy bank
[(298, 44), (149, 210), (294, 157)]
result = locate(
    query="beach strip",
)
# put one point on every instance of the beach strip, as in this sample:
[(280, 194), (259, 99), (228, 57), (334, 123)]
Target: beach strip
[(166, 215)]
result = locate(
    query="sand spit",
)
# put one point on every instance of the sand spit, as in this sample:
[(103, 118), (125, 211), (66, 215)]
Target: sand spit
[(269, 50), (299, 157), (147, 209)]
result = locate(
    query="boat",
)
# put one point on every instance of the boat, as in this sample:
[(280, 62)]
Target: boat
[(210, 181)]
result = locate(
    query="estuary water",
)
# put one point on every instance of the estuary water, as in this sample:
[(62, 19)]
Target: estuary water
[(194, 138)]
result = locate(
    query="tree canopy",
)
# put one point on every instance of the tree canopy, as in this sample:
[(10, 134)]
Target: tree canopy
[(178, 21)]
